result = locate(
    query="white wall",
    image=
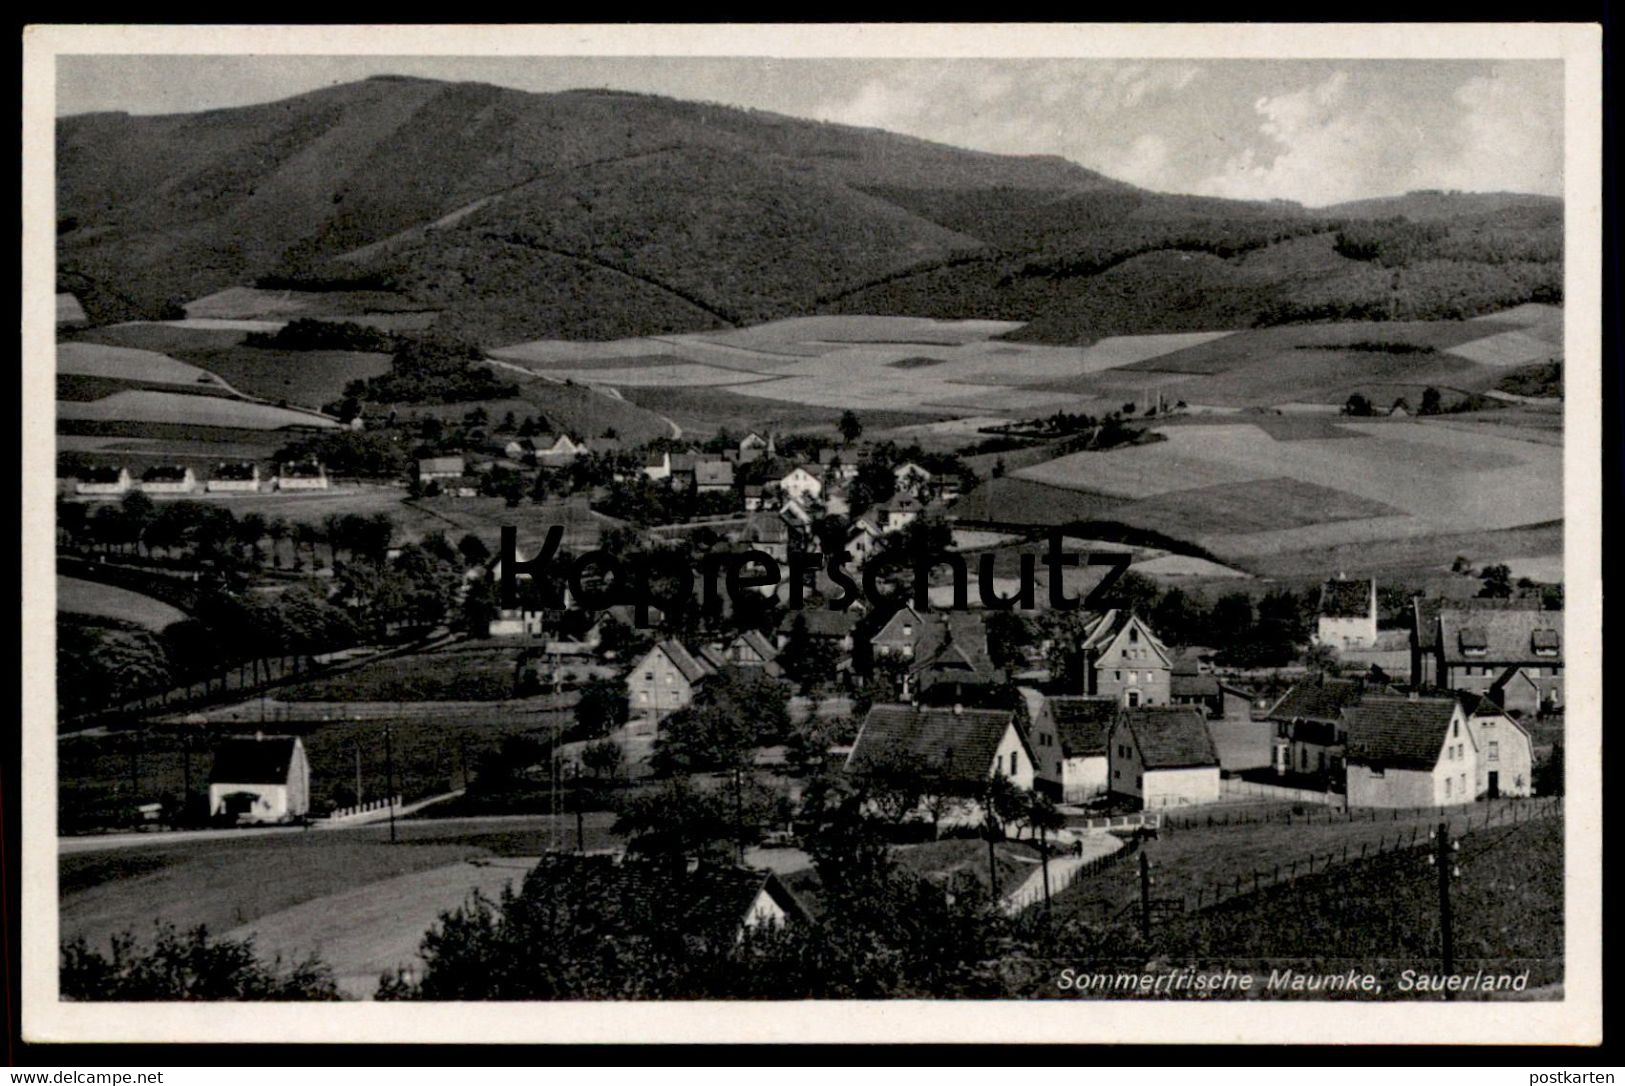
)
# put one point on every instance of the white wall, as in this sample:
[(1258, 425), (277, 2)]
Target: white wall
[(1083, 778), (1511, 758), (270, 805), (1181, 787), (1011, 745)]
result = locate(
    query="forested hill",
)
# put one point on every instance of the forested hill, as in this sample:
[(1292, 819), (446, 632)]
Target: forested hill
[(597, 214)]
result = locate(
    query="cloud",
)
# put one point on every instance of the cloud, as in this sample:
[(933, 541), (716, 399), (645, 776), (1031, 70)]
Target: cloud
[(1342, 139), (1144, 163)]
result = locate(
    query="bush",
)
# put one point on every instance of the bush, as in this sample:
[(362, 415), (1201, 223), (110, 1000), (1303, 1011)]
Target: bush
[(187, 967)]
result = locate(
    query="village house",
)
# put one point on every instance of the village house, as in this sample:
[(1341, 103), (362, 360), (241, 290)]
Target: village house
[(1506, 753), (714, 477), (1411, 752), (557, 448), (1309, 726), (440, 468), (657, 466), (1242, 742), (240, 478), (801, 484), (168, 479), (754, 442), (837, 500), (754, 498), (463, 486), (839, 464), (897, 514), (301, 475), (911, 478), (1082, 729), (796, 515), (834, 628), (103, 480), (260, 778), (685, 467), (957, 749), (768, 533), (945, 653), (1511, 655), (1120, 657), (1347, 617), (751, 649), (1162, 756), (664, 681)]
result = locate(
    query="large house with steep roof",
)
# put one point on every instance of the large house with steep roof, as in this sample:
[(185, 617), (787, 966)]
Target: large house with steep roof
[(1512, 654), (664, 681), (1121, 657), (1162, 756)]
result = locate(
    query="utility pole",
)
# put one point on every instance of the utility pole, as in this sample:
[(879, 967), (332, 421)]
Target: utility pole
[(355, 748), (992, 867), (575, 799), (462, 753), (1444, 859), (739, 819), (186, 776), (1145, 896), (1043, 858), (389, 770)]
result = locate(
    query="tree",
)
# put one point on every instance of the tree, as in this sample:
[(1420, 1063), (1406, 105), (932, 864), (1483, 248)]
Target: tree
[(1357, 406), (604, 758), (473, 549), (809, 662), (1430, 402), (187, 967), (139, 511), (850, 426), (602, 707), (1320, 657), (1009, 635), (1497, 582)]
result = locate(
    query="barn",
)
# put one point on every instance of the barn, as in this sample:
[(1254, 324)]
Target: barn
[(260, 778), (1163, 756)]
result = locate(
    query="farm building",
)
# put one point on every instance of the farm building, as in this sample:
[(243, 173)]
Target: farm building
[(685, 468), (462, 486), (440, 468), (1082, 726), (1511, 655), (795, 514), (838, 464), (664, 681), (1348, 614), (862, 541), (753, 497), (301, 475), (1506, 755), (657, 466), (961, 749), (240, 478), (168, 479), (104, 480), (260, 778), (753, 442), (557, 448), (1410, 752), (1162, 756), (1242, 742), (768, 533), (837, 500)]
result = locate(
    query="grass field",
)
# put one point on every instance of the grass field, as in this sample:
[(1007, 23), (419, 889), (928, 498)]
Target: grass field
[(302, 378), (143, 407), (465, 672), (84, 359), (77, 597)]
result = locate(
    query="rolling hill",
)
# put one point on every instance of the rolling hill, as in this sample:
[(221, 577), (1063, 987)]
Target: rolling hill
[(599, 214)]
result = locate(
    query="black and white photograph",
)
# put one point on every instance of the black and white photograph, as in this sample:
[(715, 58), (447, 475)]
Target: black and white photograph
[(795, 519)]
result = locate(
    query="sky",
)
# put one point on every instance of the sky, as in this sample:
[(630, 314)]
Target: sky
[(1313, 131)]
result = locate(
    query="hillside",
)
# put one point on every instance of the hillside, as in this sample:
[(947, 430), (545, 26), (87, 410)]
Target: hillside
[(511, 216)]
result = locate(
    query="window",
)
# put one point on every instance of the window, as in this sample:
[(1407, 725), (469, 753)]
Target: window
[(1494, 751), (1134, 676), (1139, 783), (1447, 787), (1118, 675), (1455, 728), (648, 676), (1134, 636), (1117, 774), (1013, 756)]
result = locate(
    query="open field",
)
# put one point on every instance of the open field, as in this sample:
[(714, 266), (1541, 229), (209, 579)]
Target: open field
[(146, 406), (303, 378), (77, 597), (954, 367), (705, 410), (469, 671), (278, 306), (150, 367), (371, 930), (1238, 492)]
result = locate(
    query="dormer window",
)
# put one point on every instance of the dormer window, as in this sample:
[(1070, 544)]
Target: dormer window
[(1474, 643), (1544, 642)]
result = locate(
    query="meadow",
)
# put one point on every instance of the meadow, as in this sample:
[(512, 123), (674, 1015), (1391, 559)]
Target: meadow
[(77, 597)]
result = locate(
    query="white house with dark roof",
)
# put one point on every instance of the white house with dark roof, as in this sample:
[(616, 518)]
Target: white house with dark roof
[(1411, 752), (664, 681), (234, 478), (1347, 616), (168, 479), (1121, 657), (801, 484), (301, 475), (1069, 734), (104, 480), (713, 477), (960, 748), (910, 478), (1162, 756), (260, 778)]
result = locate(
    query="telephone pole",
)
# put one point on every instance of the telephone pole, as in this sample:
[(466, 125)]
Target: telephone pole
[(389, 779), (1145, 896), (1444, 859)]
